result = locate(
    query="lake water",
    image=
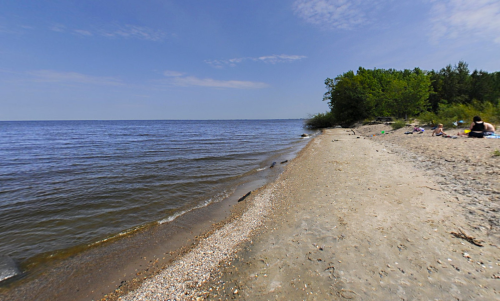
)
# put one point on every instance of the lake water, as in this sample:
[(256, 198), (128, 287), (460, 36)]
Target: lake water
[(75, 183)]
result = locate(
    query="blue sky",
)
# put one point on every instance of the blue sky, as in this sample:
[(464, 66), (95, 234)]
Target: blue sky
[(65, 60)]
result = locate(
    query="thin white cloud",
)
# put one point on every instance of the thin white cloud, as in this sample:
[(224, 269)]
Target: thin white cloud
[(271, 59), (336, 14), (132, 31), (83, 32), (190, 81), (174, 78), (52, 76), (170, 73), (116, 31), (283, 58), (465, 19), (178, 79), (58, 28), (16, 29)]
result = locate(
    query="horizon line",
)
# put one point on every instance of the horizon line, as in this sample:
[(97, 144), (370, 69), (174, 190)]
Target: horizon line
[(235, 119)]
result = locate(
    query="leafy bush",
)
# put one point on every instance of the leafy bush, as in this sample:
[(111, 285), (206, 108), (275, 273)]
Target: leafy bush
[(428, 118), (398, 124), (320, 121), (367, 121)]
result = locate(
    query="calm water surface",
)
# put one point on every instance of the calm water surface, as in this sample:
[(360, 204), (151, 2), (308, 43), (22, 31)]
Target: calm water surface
[(70, 183)]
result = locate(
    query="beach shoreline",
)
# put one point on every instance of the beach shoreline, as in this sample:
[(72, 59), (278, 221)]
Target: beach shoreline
[(362, 218), (354, 215), (218, 245), (111, 268)]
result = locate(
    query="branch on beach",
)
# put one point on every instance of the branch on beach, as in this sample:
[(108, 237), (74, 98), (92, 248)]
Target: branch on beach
[(429, 188), (244, 197), (461, 234)]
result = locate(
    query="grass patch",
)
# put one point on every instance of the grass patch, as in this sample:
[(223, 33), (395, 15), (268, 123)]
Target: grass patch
[(496, 153), (320, 121), (398, 124)]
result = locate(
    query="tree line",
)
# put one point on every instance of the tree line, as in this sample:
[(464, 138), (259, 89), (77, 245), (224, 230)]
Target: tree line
[(368, 93)]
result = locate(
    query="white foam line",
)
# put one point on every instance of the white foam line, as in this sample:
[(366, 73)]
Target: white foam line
[(116, 236), (173, 217), (219, 197)]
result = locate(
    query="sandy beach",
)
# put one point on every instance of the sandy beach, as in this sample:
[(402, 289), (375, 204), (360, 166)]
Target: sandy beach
[(359, 217), (250, 150)]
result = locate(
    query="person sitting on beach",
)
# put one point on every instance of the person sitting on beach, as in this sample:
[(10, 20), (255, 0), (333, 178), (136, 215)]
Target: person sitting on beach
[(418, 129), (439, 130), (489, 129), (477, 128)]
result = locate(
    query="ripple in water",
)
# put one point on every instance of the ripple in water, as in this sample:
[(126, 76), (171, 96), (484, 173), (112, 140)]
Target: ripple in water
[(72, 183)]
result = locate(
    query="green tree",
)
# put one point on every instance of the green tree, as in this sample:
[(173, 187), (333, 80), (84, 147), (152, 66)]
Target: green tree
[(480, 85), (435, 96), (346, 98), (374, 92), (456, 83), (416, 96)]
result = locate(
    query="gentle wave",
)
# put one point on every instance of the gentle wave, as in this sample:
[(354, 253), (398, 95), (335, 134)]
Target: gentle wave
[(71, 183), (215, 199)]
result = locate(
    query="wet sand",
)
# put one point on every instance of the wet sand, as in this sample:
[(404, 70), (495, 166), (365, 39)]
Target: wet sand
[(390, 217)]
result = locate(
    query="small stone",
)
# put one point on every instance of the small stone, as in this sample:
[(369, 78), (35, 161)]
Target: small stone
[(235, 291)]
